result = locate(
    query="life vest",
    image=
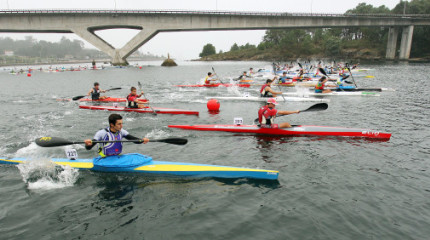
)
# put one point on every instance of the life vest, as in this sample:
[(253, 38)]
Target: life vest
[(207, 80), (95, 95), (110, 149), (263, 92), (267, 115), (131, 101)]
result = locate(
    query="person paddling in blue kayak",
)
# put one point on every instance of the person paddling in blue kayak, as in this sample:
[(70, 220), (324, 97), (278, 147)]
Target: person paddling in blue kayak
[(95, 92), (268, 113), (112, 133)]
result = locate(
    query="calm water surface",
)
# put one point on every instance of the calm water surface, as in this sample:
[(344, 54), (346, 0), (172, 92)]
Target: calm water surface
[(328, 188)]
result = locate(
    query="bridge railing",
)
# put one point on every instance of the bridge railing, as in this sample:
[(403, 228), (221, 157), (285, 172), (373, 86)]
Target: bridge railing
[(188, 12)]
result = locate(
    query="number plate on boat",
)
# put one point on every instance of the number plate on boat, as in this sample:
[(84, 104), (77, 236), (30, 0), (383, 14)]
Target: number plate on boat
[(71, 154), (238, 121)]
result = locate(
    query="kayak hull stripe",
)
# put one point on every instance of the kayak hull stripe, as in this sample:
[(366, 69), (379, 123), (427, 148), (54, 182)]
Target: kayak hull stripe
[(164, 168)]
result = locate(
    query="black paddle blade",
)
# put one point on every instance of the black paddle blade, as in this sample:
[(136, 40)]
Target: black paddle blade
[(322, 71), (77, 98), (316, 107), (110, 89), (300, 65), (52, 142), (177, 141)]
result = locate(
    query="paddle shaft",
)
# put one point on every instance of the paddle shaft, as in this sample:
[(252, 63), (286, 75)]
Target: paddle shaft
[(140, 89), (79, 97), (219, 79), (57, 142)]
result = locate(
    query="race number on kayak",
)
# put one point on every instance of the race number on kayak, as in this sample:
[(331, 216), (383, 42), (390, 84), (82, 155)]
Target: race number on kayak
[(238, 121), (71, 154)]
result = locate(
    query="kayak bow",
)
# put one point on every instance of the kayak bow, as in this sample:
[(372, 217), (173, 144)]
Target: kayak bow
[(137, 163)]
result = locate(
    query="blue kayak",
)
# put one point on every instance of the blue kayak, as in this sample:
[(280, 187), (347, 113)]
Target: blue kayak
[(138, 163)]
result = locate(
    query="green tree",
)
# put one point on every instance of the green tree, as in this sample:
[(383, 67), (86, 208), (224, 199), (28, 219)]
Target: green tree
[(208, 49), (234, 47)]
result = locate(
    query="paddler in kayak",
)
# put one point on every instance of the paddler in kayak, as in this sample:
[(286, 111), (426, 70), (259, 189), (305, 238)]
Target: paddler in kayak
[(112, 133), (95, 92), (133, 99), (267, 91), (284, 79), (268, 113), (319, 88), (210, 79)]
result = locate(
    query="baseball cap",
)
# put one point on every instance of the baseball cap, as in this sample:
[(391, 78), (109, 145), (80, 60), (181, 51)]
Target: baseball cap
[(272, 101)]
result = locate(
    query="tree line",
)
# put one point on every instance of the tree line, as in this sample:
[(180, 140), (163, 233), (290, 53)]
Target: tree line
[(351, 42)]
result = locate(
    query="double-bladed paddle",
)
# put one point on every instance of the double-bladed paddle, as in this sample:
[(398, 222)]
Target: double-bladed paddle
[(79, 97), (57, 142)]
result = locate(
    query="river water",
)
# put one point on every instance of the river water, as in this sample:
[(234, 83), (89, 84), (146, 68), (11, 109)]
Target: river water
[(328, 188)]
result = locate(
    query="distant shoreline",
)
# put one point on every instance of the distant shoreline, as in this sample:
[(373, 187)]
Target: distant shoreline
[(80, 61)]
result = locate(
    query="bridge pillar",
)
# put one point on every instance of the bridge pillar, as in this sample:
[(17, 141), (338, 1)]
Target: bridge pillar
[(137, 41), (406, 43), (95, 40), (392, 43)]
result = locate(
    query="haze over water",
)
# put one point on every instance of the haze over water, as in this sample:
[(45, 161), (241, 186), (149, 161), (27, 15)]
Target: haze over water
[(328, 188)]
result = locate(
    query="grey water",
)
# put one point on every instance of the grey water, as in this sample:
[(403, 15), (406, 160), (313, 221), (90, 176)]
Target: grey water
[(328, 188)]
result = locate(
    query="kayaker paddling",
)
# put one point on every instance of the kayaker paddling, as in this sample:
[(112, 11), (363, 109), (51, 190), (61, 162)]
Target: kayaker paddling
[(319, 87), (284, 79), (210, 79), (267, 91), (95, 92), (133, 99), (111, 133), (268, 113)]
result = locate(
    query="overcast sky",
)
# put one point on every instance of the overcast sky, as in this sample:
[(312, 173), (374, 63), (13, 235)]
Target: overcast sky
[(185, 45)]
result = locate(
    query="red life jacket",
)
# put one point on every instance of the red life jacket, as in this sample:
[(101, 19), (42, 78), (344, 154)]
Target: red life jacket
[(131, 98), (268, 114)]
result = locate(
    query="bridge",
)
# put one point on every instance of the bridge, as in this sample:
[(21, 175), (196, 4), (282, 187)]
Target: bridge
[(85, 23)]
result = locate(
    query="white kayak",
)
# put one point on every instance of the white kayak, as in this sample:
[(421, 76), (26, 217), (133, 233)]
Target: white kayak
[(307, 94), (278, 99)]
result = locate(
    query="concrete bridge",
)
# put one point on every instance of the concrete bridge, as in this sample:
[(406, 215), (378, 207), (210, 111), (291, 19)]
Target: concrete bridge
[(84, 23)]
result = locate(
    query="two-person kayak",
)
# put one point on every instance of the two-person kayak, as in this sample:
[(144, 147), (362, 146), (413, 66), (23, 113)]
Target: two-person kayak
[(216, 85), (142, 110), (296, 130), (137, 163)]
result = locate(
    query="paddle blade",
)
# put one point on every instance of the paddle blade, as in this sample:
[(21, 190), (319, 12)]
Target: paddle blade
[(177, 141), (52, 142), (300, 65), (77, 98), (117, 88), (322, 71), (316, 107)]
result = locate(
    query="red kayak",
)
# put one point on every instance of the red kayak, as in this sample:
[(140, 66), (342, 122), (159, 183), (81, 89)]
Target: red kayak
[(109, 99), (296, 130), (142, 110), (216, 85)]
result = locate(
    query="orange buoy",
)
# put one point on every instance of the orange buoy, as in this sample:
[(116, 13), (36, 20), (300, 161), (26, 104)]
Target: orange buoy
[(213, 105)]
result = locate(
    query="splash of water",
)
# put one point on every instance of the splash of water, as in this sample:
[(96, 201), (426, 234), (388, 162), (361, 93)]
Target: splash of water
[(46, 175)]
